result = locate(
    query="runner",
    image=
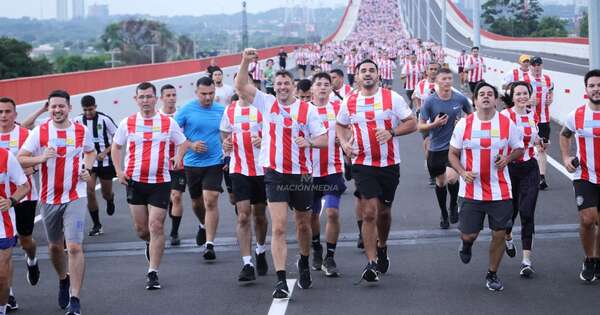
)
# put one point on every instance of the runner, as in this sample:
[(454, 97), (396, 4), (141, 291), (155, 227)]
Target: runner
[(378, 116), (256, 71), (301, 61), (350, 62), (583, 124), (482, 145), (518, 74), (58, 145), (475, 67), (147, 135), (524, 172), (103, 129), (412, 73), (282, 59), (303, 90), (268, 78), (288, 165), (339, 89), (387, 67), (223, 92), (439, 114)]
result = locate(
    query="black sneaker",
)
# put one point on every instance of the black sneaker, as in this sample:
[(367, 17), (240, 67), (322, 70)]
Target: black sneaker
[(370, 273), (444, 224), (305, 281), (511, 251), (383, 261), (175, 241), (209, 254), (201, 236), (261, 264), (317, 258), (63, 292), (33, 273), (74, 307), (96, 230), (330, 267), (12, 304), (465, 254), (147, 251), (152, 281), (110, 207), (543, 184), (431, 181), (492, 282), (454, 214), (588, 270), (281, 290), (359, 243), (247, 274), (597, 269), (526, 271)]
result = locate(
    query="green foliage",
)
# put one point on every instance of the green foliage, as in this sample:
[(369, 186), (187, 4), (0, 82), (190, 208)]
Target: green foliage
[(583, 25), (15, 61), (551, 26), (513, 18), (71, 63)]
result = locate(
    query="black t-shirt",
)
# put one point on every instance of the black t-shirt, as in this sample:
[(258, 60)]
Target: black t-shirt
[(211, 69), (282, 56)]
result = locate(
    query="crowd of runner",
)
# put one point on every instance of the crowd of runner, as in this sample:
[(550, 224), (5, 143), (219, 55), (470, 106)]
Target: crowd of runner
[(283, 143)]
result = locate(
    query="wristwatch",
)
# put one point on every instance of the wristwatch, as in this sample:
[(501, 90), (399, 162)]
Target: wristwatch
[(13, 201), (392, 132)]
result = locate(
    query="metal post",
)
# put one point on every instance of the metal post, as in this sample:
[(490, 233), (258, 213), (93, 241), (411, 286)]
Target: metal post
[(414, 18), (418, 20), (152, 52), (428, 6), (594, 33), (476, 23), (444, 35)]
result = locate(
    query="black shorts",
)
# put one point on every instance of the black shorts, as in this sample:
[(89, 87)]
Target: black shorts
[(409, 93), (328, 185), (157, 195), (294, 189), (377, 182), (105, 172), (471, 214), (472, 86), (544, 130), (437, 161), (248, 188), (587, 194), (178, 180), (461, 69), (25, 217), (302, 67), (204, 178)]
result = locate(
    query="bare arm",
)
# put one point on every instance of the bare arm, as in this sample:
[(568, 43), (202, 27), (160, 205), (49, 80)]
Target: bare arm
[(246, 90), (117, 156), (566, 135), (406, 126), (29, 122), (88, 159), (26, 158)]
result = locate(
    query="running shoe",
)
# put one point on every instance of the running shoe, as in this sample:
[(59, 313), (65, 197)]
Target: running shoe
[(281, 290), (261, 264), (209, 253), (247, 274), (201, 236), (317, 261), (370, 273), (33, 273), (110, 207), (543, 184), (444, 224), (454, 214), (511, 251), (63, 292), (305, 281), (147, 251), (175, 241), (12, 304), (465, 254), (359, 243), (152, 281), (526, 271), (492, 282), (383, 261), (330, 267), (96, 230), (588, 270), (431, 181), (74, 308)]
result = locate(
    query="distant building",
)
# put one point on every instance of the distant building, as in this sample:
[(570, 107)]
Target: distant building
[(62, 12), (98, 10), (78, 9), (42, 50)]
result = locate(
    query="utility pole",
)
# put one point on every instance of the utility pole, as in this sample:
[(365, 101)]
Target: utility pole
[(428, 6), (594, 33), (443, 35), (244, 26), (477, 23), (418, 21), (113, 61)]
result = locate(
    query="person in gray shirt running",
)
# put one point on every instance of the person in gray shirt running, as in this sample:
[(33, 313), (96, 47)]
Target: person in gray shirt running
[(439, 114)]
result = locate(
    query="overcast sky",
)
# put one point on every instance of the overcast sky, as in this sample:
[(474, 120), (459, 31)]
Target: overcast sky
[(47, 8)]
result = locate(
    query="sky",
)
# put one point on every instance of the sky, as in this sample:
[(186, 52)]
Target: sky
[(46, 9)]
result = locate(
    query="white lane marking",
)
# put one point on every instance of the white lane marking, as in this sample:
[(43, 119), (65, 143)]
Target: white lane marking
[(559, 167), (278, 307)]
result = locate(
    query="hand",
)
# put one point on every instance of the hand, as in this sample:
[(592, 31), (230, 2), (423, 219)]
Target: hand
[(541, 145), (199, 146), (123, 179), (177, 162), (302, 142), (348, 149), (568, 163), (469, 177), (501, 161), (227, 145), (382, 135), (256, 141), (440, 121), (249, 54), (101, 156), (28, 171), (49, 153), (4, 204), (84, 175)]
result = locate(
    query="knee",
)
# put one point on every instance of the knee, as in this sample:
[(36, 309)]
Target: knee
[(107, 195), (210, 203), (333, 215), (156, 226), (369, 215), (56, 247), (142, 231), (91, 192), (468, 237), (243, 218), (176, 198), (588, 221), (303, 226), (278, 231), (74, 249)]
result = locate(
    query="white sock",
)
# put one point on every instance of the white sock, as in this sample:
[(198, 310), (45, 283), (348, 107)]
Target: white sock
[(247, 260), (31, 262), (260, 248), (526, 261), (11, 292), (3, 309), (152, 269), (209, 242), (201, 225)]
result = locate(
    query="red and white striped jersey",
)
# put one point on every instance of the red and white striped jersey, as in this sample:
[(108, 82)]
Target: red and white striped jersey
[(12, 141), (585, 123), (325, 66), (541, 88), (172, 148), (423, 89), (281, 126), (476, 68), (11, 174), (343, 92), (256, 70), (413, 75), (327, 161), (384, 110), (461, 60), (527, 125), (517, 75), (147, 152), (386, 69), (59, 177), (350, 62), (243, 122), (300, 58), (480, 142)]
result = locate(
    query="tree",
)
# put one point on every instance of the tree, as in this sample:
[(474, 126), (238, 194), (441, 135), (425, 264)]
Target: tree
[(583, 25), (551, 26), (511, 17), (15, 61), (70, 63), (185, 47)]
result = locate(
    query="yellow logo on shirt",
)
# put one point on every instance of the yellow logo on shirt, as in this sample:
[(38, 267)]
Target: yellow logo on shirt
[(330, 116), (295, 117), (532, 123), (253, 117), (155, 128), (70, 141), (495, 133), (378, 106), (13, 143)]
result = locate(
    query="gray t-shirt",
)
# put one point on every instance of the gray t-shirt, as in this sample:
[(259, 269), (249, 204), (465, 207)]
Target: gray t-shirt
[(439, 138)]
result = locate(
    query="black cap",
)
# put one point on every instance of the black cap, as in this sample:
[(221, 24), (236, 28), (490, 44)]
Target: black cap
[(536, 61)]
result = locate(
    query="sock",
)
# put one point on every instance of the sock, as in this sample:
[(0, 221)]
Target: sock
[(467, 246), (95, 217), (382, 251), (453, 190), (201, 226), (526, 261), (491, 272), (316, 241), (303, 263), (210, 245), (175, 221), (3, 309), (260, 248), (280, 275), (31, 262), (152, 270), (247, 260), (359, 223), (170, 210), (10, 292), (440, 193), (331, 249)]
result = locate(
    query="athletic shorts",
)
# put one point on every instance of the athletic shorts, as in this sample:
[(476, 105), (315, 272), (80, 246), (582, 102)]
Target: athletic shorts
[(409, 93), (204, 178), (387, 82), (8, 242), (437, 161), (377, 182), (157, 195), (178, 180), (61, 220), (587, 194), (248, 188), (471, 214), (302, 67), (105, 172), (472, 86), (328, 185), (544, 130), (461, 69), (295, 189), (25, 217)]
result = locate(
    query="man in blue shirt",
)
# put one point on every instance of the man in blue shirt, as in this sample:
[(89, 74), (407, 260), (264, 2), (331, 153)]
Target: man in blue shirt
[(203, 160)]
